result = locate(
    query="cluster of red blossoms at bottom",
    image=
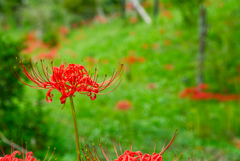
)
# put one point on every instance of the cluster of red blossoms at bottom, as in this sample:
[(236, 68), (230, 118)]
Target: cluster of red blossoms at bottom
[(90, 153), (28, 157), (198, 93), (138, 156), (11, 157)]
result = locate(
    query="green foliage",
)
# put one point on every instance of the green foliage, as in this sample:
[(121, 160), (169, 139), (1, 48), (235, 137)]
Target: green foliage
[(10, 88), (51, 38), (81, 7), (111, 6), (9, 7), (189, 9), (20, 118)]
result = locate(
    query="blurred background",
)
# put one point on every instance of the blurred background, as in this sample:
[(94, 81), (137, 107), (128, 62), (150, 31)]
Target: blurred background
[(182, 71)]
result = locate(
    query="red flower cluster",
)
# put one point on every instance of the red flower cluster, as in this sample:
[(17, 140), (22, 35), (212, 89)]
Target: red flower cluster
[(67, 79), (198, 93), (52, 53), (11, 157), (152, 86), (123, 105), (28, 157), (43, 50), (131, 59), (63, 31), (128, 155), (100, 19), (32, 43), (137, 156)]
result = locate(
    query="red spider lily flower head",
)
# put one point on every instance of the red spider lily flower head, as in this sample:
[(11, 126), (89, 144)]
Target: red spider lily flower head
[(131, 58), (129, 155), (63, 30), (123, 105), (67, 79), (167, 14), (167, 42), (152, 86), (169, 67), (155, 46), (28, 157)]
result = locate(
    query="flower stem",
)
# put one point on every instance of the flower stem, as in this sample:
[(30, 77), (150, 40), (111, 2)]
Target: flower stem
[(75, 128)]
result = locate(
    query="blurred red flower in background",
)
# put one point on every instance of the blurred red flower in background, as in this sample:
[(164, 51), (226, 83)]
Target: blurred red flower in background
[(75, 25), (145, 45), (198, 93), (166, 13), (155, 46), (178, 33), (162, 31), (129, 6), (90, 59), (63, 30), (133, 19), (169, 67), (67, 79), (100, 19), (32, 43), (167, 42), (123, 105), (52, 53), (151, 86), (131, 58)]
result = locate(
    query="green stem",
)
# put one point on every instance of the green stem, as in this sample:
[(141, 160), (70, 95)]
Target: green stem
[(75, 129)]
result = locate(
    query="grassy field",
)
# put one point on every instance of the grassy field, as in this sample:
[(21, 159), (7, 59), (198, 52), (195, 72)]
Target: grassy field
[(168, 50)]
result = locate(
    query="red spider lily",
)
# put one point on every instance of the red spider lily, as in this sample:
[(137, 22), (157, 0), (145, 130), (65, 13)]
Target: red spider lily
[(169, 67), (28, 157), (152, 86), (178, 33), (155, 46), (128, 155), (166, 13), (133, 20), (11, 157), (123, 105), (100, 19), (131, 59), (129, 6), (63, 30), (198, 93), (67, 79), (167, 42), (52, 53)]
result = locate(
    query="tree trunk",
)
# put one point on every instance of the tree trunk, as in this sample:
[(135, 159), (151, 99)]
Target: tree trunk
[(156, 8), (141, 11), (99, 8), (202, 45)]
